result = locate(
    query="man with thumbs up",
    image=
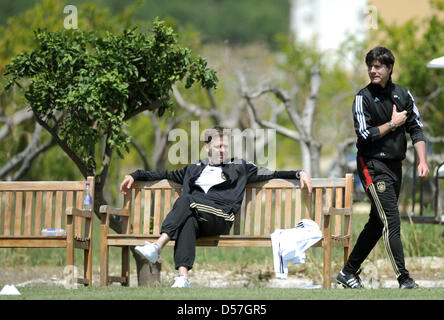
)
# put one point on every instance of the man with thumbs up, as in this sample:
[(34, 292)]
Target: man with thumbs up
[(383, 112)]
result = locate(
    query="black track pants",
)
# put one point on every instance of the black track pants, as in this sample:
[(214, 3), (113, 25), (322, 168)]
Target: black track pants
[(184, 225), (382, 181)]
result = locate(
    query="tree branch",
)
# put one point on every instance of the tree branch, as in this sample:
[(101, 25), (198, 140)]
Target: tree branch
[(16, 119), (79, 163), (150, 107), (26, 156)]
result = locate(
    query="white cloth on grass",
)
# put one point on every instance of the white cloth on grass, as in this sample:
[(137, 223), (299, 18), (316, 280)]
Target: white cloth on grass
[(290, 244)]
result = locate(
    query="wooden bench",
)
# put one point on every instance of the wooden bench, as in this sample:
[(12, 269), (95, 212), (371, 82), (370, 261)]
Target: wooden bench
[(267, 206), (27, 207)]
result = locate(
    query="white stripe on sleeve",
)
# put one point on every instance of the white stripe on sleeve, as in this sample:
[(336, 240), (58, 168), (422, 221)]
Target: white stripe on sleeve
[(415, 110), (361, 117)]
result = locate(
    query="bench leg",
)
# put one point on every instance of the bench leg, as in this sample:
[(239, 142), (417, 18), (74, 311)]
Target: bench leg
[(104, 251), (104, 266), (87, 261), (126, 265), (347, 251), (326, 246), (69, 242), (327, 266)]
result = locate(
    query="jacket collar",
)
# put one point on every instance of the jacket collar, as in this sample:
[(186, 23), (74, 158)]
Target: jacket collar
[(206, 162), (377, 88)]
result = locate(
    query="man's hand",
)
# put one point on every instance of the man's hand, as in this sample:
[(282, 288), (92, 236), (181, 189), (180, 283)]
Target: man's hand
[(305, 180), (423, 170), (126, 184), (399, 118)]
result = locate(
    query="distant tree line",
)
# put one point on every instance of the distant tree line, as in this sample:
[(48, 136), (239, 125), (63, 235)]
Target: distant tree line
[(237, 22)]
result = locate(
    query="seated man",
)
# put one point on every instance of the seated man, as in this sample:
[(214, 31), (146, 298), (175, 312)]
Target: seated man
[(212, 193)]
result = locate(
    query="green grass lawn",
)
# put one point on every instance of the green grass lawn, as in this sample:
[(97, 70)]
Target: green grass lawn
[(166, 293)]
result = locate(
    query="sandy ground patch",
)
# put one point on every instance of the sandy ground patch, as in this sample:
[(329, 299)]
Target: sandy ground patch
[(427, 271)]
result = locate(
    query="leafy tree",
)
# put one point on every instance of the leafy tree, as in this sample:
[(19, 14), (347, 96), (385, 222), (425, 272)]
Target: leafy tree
[(23, 140), (414, 44), (82, 88)]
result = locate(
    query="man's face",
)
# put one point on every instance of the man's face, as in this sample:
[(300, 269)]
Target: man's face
[(217, 149), (379, 73)]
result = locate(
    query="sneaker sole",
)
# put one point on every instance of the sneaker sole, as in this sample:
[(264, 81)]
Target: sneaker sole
[(143, 256), (346, 286), (415, 287)]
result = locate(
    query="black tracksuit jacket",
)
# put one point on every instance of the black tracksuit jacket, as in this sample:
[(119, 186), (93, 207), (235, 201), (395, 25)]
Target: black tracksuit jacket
[(227, 195), (373, 106)]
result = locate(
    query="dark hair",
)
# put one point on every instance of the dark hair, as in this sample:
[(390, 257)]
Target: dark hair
[(381, 54), (215, 131)]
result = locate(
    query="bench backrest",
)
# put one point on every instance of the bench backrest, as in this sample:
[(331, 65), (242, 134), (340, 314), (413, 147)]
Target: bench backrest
[(27, 207), (266, 206)]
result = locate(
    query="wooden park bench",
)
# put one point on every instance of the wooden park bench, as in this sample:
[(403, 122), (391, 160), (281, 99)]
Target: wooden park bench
[(267, 206), (27, 207)]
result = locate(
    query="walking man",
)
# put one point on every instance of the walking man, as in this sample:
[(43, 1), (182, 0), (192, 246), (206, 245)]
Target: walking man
[(212, 193), (383, 112)]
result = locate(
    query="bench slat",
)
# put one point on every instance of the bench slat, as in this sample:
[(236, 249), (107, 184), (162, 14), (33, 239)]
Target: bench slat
[(274, 183), (318, 207), (268, 215), (298, 206), (41, 185), (258, 212), (32, 242), (48, 209), (248, 210), (69, 202), (2, 220), (137, 208), (338, 205), (157, 208), (78, 220), (28, 212), (308, 205), (147, 212), (278, 208), (167, 204), (38, 212), (18, 213), (58, 210), (287, 206)]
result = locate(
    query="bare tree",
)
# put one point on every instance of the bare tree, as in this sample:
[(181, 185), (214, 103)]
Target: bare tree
[(302, 121), (24, 158), (238, 117)]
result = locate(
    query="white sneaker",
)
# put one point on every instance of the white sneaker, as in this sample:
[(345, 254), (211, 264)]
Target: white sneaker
[(181, 282), (149, 251)]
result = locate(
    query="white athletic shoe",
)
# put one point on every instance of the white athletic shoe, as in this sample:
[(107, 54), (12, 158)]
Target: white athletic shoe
[(181, 282), (149, 251)]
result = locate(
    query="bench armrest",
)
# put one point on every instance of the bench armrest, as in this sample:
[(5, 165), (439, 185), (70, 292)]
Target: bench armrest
[(78, 212), (337, 211), (106, 209)]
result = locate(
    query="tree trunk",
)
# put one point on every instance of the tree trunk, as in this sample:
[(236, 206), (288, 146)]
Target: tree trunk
[(315, 158), (306, 157), (148, 274)]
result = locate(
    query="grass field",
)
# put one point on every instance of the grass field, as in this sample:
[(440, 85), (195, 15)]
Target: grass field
[(166, 293)]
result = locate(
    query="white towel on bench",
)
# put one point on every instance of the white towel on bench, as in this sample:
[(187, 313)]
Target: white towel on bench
[(290, 244)]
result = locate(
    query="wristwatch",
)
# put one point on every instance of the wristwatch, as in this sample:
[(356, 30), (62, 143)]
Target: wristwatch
[(392, 126), (298, 174)]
